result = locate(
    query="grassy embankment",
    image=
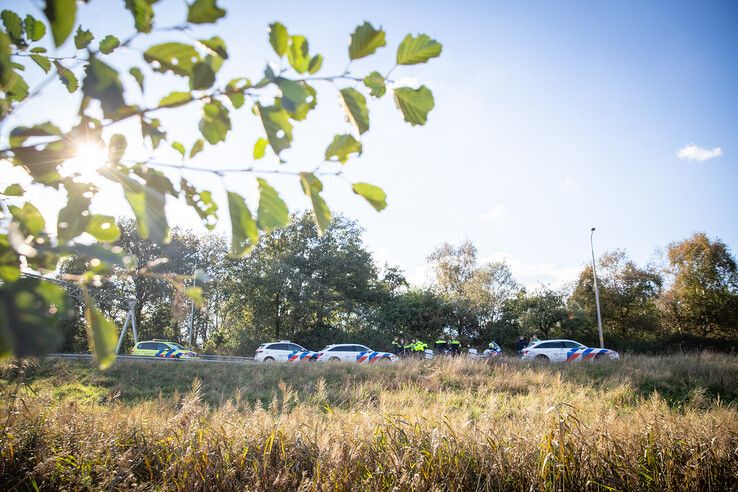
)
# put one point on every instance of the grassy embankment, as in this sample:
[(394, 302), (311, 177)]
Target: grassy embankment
[(642, 423)]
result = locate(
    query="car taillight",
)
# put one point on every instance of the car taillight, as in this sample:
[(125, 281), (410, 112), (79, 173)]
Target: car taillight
[(258, 351), (525, 352)]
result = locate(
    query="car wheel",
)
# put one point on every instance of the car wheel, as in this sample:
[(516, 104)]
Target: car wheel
[(268, 359), (599, 356), (542, 358), (334, 359)]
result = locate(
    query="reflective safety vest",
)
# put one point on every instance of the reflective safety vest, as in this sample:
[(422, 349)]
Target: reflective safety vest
[(440, 342), (419, 346), (454, 342)]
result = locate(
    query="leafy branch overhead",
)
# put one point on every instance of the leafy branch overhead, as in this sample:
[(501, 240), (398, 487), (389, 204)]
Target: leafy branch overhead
[(90, 66)]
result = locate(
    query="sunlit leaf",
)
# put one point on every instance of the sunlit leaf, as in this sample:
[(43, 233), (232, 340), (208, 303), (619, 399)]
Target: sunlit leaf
[(375, 83), (175, 99), (216, 45), (354, 104), (244, 232), (138, 75), (202, 202), (197, 147), (342, 147), (101, 82), (195, 293), (14, 190), (315, 63), (13, 26), (204, 12), (42, 62), (419, 49), (178, 58), (312, 187), (82, 38), (272, 212), (298, 53), (365, 40), (103, 228), (215, 122), (179, 148), (117, 147), (203, 76), (293, 94), (102, 334), (278, 38), (376, 197), (277, 126), (35, 29), (30, 217), (74, 215), (260, 148), (67, 77), (143, 14), (415, 104), (61, 15), (108, 44)]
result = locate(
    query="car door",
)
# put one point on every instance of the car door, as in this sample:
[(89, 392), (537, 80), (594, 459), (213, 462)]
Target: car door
[(573, 351), (549, 349), (295, 352), (281, 351), (360, 353)]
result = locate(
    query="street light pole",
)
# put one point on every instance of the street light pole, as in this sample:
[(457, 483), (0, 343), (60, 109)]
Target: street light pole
[(597, 292)]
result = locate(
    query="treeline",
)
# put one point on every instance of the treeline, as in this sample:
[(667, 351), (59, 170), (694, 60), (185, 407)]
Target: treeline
[(316, 290)]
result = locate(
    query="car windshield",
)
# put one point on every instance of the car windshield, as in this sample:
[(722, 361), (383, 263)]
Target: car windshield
[(177, 346)]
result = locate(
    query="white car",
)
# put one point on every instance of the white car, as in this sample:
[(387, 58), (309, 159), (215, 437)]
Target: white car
[(284, 351), (565, 351), (349, 352)]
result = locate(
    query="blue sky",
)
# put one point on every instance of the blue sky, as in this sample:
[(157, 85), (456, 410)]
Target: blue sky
[(550, 118)]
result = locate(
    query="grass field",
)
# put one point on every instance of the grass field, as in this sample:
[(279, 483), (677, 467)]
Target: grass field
[(641, 423)]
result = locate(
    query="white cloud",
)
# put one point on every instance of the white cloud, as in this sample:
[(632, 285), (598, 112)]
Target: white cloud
[(496, 212), (694, 152), (532, 275)]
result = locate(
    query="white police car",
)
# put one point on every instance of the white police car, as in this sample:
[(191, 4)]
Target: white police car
[(349, 352), (284, 351), (565, 351)]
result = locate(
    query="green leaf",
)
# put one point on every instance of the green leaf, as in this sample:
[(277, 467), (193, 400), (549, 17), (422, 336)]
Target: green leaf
[(61, 15), (74, 216), (7, 74), (152, 129), (204, 12), (312, 187), (178, 58), (244, 233), (148, 205), (179, 148), (42, 62), (138, 75), (38, 49), (272, 210), (297, 54), (414, 50), (215, 123), (197, 147), (236, 98), (276, 122), (315, 63), (175, 99), (35, 29), (259, 148), (143, 14), (102, 334), (67, 77), (203, 76), (82, 38), (117, 147), (415, 104), (301, 112), (293, 94), (13, 26), (216, 46), (375, 83), (14, 190), (29, 217), (101, 82), (278, 38), (354, 104), (20, 134), (373, 194), (103, 228), (342, 147), (202, 202), (108, 44), (365, 40)]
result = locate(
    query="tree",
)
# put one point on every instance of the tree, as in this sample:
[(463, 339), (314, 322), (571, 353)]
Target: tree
[(702, 298), (628, 296), (90, 68)]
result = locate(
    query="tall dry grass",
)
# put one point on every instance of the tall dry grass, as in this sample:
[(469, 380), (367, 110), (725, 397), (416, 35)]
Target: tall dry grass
[(642, 423)]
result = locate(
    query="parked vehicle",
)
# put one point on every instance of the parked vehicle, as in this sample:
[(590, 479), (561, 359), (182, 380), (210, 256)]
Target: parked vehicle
[(347, 352), (162, 348), (565, 351), (284, 351)]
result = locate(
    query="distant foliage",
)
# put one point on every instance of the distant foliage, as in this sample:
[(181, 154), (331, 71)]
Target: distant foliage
[(87, 65)]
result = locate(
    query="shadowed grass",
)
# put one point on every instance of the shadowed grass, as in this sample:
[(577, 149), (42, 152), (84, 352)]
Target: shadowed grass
[(642, 423)]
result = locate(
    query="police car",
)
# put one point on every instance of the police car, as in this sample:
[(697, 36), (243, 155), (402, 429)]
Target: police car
[(565, 351), (348, 352), (283, 351), (492, 350), (162, 348)]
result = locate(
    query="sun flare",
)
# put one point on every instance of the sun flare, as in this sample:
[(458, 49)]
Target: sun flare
[(88, 158)]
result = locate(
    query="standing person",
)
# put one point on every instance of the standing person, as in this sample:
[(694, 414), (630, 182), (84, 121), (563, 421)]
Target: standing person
[(396, 346), (407, 348), (534, 338), (455, 346), (441, 345), (520, 345)]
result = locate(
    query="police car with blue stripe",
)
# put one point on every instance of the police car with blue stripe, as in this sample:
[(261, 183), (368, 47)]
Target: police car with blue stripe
[(565, 351), (350, 352), (284, 351), (163, 349)]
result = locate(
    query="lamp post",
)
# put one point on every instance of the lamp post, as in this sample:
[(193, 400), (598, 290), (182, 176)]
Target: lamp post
[(597, 292)]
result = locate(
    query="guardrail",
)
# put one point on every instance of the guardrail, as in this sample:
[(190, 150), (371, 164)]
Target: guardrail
[(218, 359)]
